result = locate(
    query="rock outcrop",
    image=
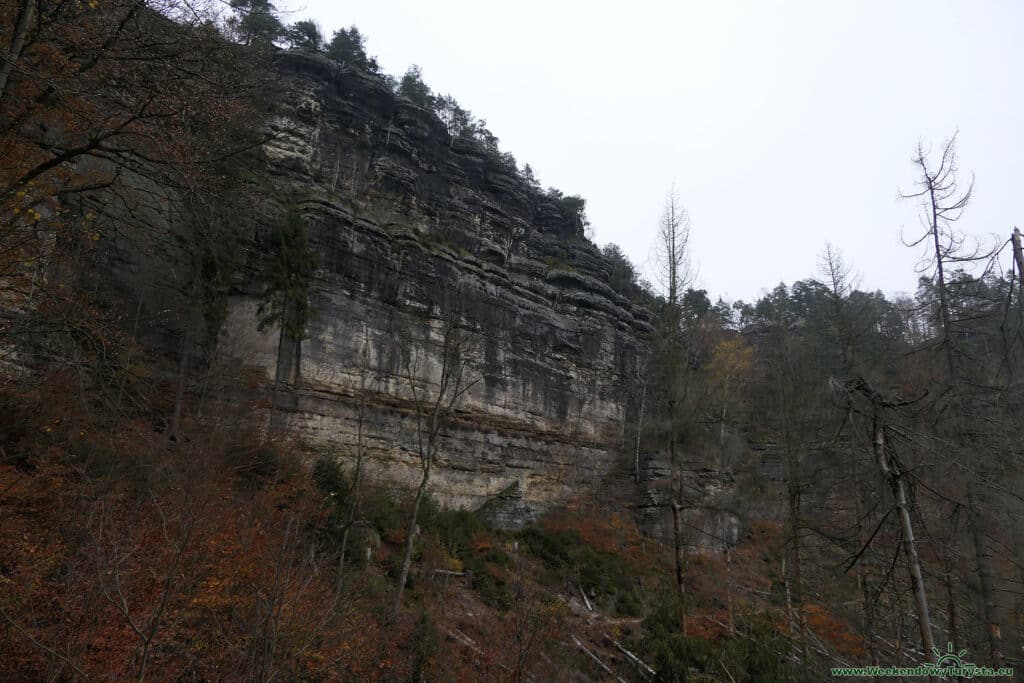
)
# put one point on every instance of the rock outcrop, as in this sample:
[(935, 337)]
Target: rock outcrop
[(410, 223)]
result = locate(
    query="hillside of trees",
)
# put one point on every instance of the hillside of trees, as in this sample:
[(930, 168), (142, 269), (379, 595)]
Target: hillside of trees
[(156, 523)]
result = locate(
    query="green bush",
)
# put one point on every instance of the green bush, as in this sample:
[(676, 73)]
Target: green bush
[(663, 645), (607, 575), (492, 589), (758, 653), (423, 647), (375, 506), (107, 466), (257, 467), (452, 530)]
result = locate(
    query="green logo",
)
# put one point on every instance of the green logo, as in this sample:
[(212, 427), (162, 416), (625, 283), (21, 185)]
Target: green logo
[(948, 664), (950, 659)]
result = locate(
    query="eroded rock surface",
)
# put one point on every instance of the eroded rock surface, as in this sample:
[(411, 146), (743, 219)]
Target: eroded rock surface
[(405, 219)]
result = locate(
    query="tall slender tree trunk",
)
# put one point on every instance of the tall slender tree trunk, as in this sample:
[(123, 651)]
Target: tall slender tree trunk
[(721, 438), (426, 451), (951, 616), (680, 554), (982, 556), (786, 583), (939, 205), (794, 583), (128, 361), (410, 539), (797, 567), (26, 15), (278, 370), (868, 608), (357, 482), (675, 484), (179, 394), (296, 370), (895, 476), (901, 635), (984, 562), (675, 479), (639, 432), (863, 582), (296, 374), (940, 276), (728, 589), (1018, 257), (1018, 554), (358, 477), (673, 238)]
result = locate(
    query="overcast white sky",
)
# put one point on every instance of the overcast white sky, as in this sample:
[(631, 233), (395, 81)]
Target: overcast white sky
[(783, 124)]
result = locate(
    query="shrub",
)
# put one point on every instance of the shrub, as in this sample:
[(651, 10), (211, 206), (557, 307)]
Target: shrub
[(607, 575), (758, 653), (452, 530), (489, 582), (375, 506)]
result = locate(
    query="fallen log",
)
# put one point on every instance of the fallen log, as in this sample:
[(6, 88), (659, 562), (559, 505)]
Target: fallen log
[(586, 601), (639, 663), (597, 660), (448, 572)]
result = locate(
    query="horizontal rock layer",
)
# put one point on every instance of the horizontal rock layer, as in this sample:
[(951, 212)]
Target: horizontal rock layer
[(410, 224)]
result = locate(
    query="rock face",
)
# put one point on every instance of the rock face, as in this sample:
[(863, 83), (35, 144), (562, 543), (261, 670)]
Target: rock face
[(410, 225), (710, 519)]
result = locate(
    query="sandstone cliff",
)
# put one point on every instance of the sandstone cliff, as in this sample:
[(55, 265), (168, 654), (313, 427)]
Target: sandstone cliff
[(401, 215)]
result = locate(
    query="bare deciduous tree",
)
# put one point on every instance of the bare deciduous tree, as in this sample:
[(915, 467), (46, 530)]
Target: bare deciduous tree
[(357, 478), (672, 260), (433, 399), (943, 204)]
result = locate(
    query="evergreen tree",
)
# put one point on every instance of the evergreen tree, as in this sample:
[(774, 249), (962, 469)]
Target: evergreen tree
[(574, 209), (305, 35), (695, 305), (412, 87), (256, 22), (457, 120), (348, 47), (724, 312), (622, 275), (530, 177), (287, 276)]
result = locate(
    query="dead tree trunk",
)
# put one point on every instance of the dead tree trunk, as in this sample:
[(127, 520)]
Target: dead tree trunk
[(984, 563), (639, 432), (944, 205), (892, 471), (1018, 255)]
